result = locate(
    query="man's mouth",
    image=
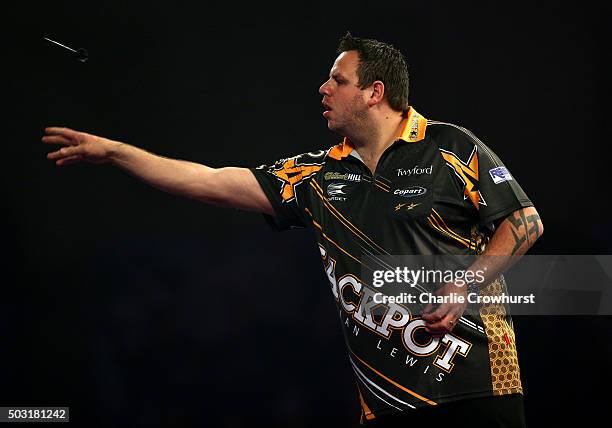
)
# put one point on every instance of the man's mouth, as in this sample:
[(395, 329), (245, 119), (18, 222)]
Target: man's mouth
[(326, 109)]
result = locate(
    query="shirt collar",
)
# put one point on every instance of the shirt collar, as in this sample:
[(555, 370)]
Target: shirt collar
[(412, 130)]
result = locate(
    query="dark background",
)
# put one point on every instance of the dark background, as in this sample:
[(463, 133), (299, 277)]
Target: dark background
[(140, 308)]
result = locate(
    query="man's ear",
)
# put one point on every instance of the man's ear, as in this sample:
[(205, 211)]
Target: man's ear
[(377, 93)]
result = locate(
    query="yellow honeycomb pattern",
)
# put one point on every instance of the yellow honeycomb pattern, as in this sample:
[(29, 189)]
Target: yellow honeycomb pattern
[(505, 372)]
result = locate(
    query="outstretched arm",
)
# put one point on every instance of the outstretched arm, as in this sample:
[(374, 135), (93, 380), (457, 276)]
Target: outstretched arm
[(230, 187)]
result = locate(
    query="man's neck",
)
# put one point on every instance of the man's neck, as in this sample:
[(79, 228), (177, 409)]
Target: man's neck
[(375, 139)]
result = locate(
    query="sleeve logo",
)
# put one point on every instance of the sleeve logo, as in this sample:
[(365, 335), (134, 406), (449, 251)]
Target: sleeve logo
[(291, 174), (499, 175)]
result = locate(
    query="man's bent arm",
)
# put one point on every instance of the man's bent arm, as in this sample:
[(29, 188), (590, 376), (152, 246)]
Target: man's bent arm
[(514, 236), (230, 187)]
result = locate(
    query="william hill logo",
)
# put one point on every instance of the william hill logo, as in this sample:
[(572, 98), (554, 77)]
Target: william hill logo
[(410, 192), (338, 176)]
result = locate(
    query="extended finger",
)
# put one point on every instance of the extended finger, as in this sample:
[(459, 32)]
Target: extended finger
[(64, 152), (66, 132), (69, 160), (58, 139)]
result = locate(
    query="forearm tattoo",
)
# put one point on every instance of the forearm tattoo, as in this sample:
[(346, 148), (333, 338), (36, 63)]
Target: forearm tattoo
[(522, 227)]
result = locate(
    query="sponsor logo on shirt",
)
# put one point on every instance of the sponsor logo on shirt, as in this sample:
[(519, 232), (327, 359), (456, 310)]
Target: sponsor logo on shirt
[(338, 176), (335, 191), (466, 172), (292, 173), (410, 192), (414, 128), (361, 306), (417, 170), (500, 174)]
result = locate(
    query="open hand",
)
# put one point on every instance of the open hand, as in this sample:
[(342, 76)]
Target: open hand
[(79, 146)]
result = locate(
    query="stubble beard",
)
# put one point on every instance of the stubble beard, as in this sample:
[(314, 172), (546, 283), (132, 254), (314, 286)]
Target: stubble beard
[(355, 122)]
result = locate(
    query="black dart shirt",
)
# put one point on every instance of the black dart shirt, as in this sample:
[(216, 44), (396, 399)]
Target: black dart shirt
[(437, 190)]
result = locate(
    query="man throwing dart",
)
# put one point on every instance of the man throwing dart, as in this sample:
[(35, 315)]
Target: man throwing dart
[(397, 184)]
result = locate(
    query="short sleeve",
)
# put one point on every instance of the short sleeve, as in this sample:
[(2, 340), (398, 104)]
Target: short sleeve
[(286, 185), (486, 183), (500, 192)]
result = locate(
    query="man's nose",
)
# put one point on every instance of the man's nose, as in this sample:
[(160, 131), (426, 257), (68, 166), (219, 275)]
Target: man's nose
[(323, 90)]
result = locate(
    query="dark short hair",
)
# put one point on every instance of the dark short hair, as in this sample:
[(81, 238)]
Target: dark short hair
[(380, 61)]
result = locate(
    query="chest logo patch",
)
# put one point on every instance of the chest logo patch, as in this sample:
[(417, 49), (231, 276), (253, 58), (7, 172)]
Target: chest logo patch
[(339, 176), (410, 192), (336, 192), (417, 170), (335, 189)]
